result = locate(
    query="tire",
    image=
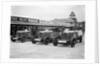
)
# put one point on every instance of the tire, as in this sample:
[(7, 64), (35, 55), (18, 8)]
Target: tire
[(72, 43), (74, 40), (13, 40), (55, 42), (22, 39), (46, 41), (67, 43), (33, 41), (80, 39)]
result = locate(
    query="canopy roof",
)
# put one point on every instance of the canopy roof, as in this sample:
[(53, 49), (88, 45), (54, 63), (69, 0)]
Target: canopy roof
[(43, 24)]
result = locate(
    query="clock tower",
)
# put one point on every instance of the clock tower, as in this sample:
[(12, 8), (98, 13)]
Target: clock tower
[(73, 16)]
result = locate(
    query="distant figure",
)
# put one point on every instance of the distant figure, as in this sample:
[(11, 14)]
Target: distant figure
[(34, 30)]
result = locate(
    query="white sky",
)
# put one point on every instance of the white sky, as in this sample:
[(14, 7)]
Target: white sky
[(49, 12)]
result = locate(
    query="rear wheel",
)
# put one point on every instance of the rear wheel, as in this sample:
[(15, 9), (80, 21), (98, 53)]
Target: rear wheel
[(55, 42)]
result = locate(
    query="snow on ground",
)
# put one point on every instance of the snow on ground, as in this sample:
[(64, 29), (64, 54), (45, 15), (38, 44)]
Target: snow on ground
[(41, 51)]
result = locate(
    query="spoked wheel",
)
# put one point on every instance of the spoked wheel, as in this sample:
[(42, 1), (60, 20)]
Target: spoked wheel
[(33, 41), (12, 39), (68, 43), (72, 43), (22, 39), (80, 39), (55, 42), (46, 41)]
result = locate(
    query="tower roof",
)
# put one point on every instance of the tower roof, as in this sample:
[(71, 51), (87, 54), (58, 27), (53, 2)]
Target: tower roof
[(72, 14)]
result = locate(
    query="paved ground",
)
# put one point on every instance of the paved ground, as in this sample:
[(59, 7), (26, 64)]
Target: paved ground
[(39, 50)]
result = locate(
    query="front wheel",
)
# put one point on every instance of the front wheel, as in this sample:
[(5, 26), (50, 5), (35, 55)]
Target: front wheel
[(72, 43), (33, 41), (55, 42), (80, 39), (13, 40), (46, 41), (22, 39)]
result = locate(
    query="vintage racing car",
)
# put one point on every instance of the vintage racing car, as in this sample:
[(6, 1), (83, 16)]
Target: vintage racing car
[(43, 36), (22, 35), (65, 37)]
